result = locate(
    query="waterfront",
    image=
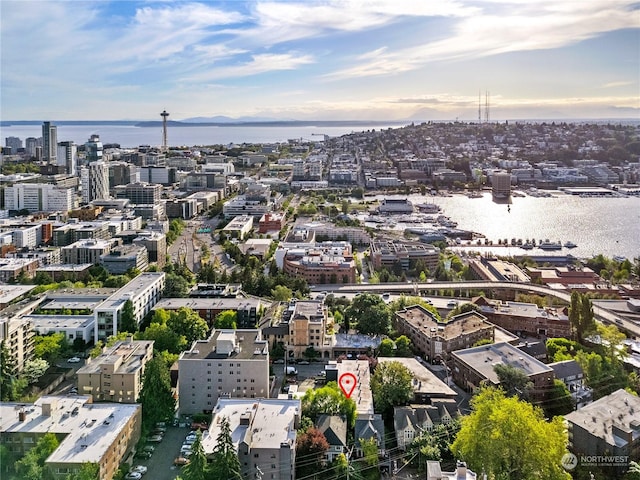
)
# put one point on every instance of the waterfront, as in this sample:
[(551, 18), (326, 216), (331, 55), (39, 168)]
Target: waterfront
[(610, 226), (132, 136)]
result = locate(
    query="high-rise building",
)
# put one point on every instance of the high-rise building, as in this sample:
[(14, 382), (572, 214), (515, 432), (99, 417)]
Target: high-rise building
[(93, 149), (30, 144), (68, 156), (94, 179), (14, 142), (49, 142)]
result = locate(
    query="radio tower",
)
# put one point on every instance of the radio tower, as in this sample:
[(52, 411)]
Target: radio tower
[(164, 116), (479, 109), (486, 107)]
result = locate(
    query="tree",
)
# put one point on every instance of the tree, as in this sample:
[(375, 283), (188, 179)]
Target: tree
[(88, 471), (403, 345), (387, 348), (225, 463), (50, 347), (408, 301), (370, 314), (188, 323), (391, 385), (34, 369), (581, 316), (508, 438), (328, 400), (226, 319), (196, 469), (31, 466), (310, 449), (164, 338), (513, 380), (156, 397), (280, 293), (176, 286), (310, 353), (559, 401), (42, 278), (128, 318)]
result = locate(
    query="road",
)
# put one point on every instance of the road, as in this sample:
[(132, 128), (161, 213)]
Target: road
[(160, 464)]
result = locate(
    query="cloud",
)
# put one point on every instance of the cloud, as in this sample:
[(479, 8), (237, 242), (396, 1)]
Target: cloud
[(262, 63), (617, 84), (543, 24)]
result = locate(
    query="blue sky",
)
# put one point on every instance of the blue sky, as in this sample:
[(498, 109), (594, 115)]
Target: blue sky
[(324, 60)]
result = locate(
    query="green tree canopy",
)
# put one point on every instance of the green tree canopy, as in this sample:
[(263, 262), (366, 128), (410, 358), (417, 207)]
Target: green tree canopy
[(34, 369), (403, 346), (164, 337), (281, 293), (391, 385), (50, 347), (156, 397), (176, 286), (387, 348), (328, 400), (197, 468), (407, 301), (513, 380), (508, 438), (224, 460), (186, 322), (88, 471), (369, 313), (128, 318), (226, 319), (31, 466)]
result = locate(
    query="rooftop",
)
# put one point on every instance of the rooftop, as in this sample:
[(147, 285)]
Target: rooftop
[(208, 303), (47, 322), (263, 423), (464, 323), (90, 428), (424, 380), (126, 356), (485, 357), (8, 293), (131, 290), (245, 345), (614, 418)]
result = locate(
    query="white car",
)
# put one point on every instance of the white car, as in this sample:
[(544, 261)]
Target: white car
[(74, 360), (141, 469), (133, 476)]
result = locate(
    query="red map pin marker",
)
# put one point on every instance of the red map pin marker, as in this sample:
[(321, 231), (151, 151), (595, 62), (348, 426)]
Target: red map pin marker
[(347, 382)]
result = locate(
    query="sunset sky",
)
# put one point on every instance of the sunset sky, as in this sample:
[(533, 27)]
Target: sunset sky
[(319, 60)]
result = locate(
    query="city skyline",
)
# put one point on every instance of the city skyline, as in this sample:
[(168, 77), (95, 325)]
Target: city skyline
[(319, 60)]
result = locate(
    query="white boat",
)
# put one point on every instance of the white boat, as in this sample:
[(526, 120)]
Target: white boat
[(548, 245), (570, 245)]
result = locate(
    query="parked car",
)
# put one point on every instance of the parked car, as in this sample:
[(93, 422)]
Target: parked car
[(199, 426), (133, 476), (161, 426), (73, 391), (185, 449), (74, 360), (155, 438), (303, 362), (180, 461), (158, 432), (189, 441), (143, 455), (279, 360), (149, 448), (141, 469)]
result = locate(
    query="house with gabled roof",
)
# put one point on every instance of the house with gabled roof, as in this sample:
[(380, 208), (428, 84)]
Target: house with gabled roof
[(334, 428)]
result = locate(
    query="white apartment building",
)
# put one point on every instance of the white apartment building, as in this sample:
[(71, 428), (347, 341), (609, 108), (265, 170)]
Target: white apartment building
[(230, 363), (263, 433), (94, 179), (17, 334), (38, 197), (144, 291)]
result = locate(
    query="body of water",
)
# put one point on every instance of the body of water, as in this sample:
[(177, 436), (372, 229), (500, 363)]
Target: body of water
[(610, 226), (131, 136)]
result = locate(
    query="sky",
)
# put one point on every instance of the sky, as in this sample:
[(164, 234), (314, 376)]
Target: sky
[(319, 60)]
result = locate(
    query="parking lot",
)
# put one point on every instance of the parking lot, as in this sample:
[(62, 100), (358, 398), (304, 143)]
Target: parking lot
[(160, 464)]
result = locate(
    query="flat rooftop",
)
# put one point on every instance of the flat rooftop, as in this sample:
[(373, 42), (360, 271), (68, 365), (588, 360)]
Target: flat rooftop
[(362, 392), (131, 290), (528, 310), (483, 358), (250, 346), (90, 430), (131, 354), (422, 319), (269, 422), (425, 381), (358, 340), (49, 322), (8, 293), (208, 303), (619, 409)]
